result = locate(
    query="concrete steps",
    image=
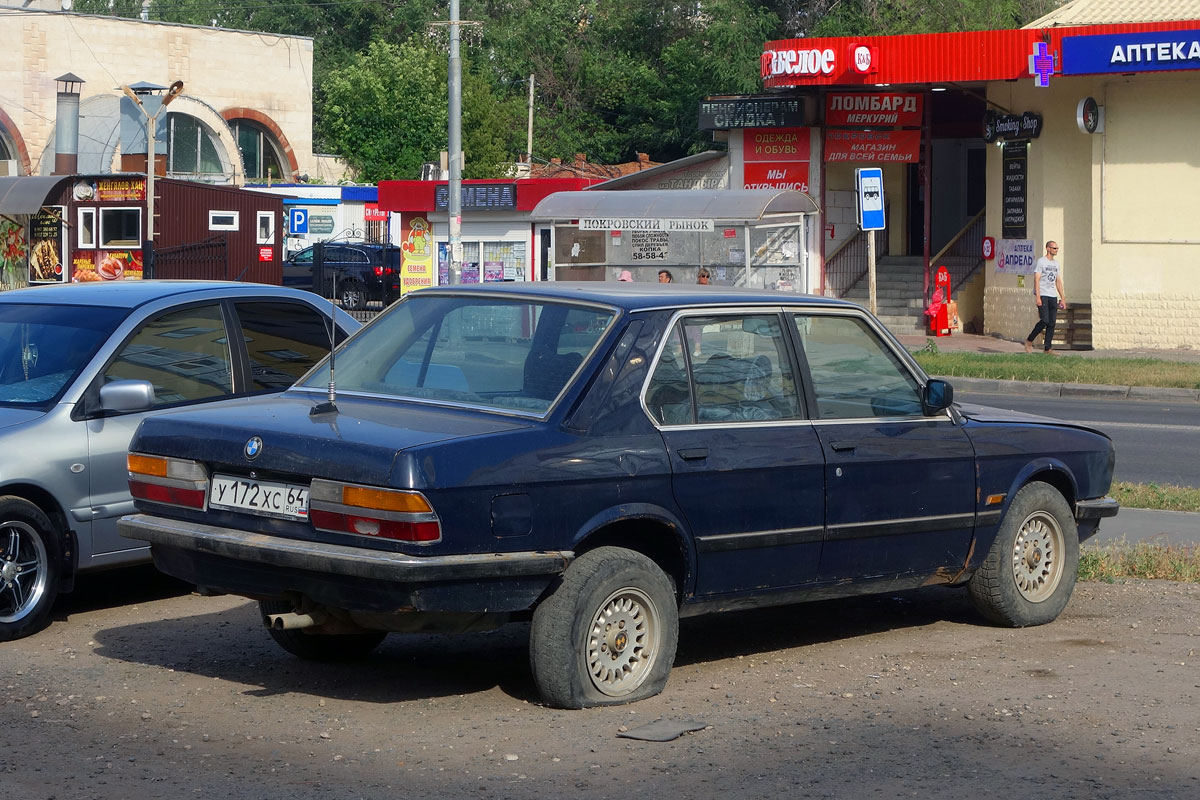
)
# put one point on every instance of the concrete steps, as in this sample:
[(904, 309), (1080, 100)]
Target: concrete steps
[(899, 288)]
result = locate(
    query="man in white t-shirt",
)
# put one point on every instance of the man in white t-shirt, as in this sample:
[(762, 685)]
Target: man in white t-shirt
[(1050, 296)]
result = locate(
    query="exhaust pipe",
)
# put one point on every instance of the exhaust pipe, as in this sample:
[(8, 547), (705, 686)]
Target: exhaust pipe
[(289, 622)]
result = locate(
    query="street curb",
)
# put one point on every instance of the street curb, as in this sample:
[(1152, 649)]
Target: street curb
[(1039, 389)]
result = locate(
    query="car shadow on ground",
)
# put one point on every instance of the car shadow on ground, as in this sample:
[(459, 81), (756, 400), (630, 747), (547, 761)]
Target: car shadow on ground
[(232, 645), (117, 587)]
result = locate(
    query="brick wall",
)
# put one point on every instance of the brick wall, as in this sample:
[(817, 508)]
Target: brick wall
[(1128, 321), (1008, 312)]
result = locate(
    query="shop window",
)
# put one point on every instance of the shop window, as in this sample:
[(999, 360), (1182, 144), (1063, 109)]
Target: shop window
[(192, 149), (266, 227), (260, 155), (87, 227), (222, 220), (120, 227), (503, 261)]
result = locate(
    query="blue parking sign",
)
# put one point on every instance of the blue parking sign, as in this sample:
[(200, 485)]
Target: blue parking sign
[(869, 182), (298, 220)]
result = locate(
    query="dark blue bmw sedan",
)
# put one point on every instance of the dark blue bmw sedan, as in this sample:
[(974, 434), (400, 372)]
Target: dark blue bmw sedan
[(601, 459)]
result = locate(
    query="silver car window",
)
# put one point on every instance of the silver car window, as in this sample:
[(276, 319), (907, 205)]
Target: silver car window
[(185, 354)]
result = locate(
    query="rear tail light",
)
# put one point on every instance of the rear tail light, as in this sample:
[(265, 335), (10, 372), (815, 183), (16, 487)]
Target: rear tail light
[(381, 271), (395, 514), (173, 481)]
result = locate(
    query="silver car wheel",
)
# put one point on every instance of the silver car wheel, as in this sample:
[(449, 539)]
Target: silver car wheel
[(1037, 556), (622, 642), (23, 571)]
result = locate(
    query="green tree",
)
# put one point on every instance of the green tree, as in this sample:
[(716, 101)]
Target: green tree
[(386, 112)]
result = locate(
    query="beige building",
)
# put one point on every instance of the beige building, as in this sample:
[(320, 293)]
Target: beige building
[(1124, 202), (244, 115)]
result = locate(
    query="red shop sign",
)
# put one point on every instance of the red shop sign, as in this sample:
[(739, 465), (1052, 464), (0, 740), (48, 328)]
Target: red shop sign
[(791, 175), (876, 109), (875, 147), (266, 254), (371, 213), (776, 144)]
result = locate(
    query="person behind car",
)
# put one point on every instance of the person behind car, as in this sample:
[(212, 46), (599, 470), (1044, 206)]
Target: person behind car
[(665, 276), (702, 277)]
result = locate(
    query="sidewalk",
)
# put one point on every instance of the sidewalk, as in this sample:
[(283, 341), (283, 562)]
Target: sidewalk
[(973, 343)]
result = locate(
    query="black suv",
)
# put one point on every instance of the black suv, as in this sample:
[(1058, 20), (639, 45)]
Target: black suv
[(357, 272)]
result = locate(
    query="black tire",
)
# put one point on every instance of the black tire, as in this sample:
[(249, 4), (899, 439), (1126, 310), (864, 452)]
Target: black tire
[(352, 295), (319, 646), (30, 562), (580, 661), (1030, 571)]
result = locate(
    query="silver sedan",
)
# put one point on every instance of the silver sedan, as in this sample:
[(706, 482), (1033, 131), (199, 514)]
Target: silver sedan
[(80, 367)]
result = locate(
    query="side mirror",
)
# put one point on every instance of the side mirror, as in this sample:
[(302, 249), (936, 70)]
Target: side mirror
[(126, 396), (937, 396)]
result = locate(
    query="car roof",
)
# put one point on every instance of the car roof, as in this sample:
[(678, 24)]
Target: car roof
[(131, 294), (641, 296)]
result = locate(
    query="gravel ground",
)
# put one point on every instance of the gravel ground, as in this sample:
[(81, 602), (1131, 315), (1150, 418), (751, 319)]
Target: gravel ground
[(140, 691)]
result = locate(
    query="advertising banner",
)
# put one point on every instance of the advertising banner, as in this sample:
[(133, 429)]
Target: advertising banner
[(14, 247), (416, 253), (121, 191), (1015, 256), (1016, 181), (1130, 52), (776, 159), (889, 147), (784, 175), (877, 109), (47, 245), (780, 144), (106, 265)]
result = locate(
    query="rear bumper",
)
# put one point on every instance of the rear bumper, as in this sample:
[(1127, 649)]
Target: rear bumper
[(254, 565)]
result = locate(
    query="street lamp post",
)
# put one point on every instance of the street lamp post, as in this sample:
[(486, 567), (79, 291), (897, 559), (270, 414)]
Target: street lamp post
[(151, 132), (454, 199)]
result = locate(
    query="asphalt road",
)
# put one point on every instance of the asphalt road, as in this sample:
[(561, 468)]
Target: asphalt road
[(1156, 442)]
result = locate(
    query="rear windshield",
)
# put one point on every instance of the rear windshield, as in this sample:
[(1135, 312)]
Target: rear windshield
[(43, 348), (499, 352)]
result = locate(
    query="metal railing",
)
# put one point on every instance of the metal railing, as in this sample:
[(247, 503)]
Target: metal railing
[(204, 260), (847, 265), (963, 255)]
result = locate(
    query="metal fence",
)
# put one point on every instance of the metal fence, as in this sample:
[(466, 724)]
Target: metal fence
[(204, 260)]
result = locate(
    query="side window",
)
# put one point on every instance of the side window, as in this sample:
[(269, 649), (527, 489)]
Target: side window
[(669, 393), (740, 372), (284, 341), (854, 373), (740, 369), (185, 354), (305, 256)]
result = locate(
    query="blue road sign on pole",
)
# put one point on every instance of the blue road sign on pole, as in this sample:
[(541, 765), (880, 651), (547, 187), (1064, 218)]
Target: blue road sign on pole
[(869, 182), (298, 220)]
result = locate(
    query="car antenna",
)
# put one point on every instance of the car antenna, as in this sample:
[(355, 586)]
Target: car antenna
[(329, 406)]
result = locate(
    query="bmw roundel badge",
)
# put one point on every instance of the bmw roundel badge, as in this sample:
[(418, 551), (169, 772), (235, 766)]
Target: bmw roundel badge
[(253, 447)]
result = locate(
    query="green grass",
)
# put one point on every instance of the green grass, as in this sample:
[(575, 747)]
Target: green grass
[(1164, 497), (1113, 562), (1061, 368)]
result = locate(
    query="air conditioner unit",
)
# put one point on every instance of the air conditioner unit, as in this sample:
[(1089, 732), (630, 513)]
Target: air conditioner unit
[(431, 172)]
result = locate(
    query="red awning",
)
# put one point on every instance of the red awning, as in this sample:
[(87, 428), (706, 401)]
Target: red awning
[(969, 57)]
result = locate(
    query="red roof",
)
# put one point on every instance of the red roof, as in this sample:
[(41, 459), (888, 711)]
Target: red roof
[(419, 195), (966, 57)]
